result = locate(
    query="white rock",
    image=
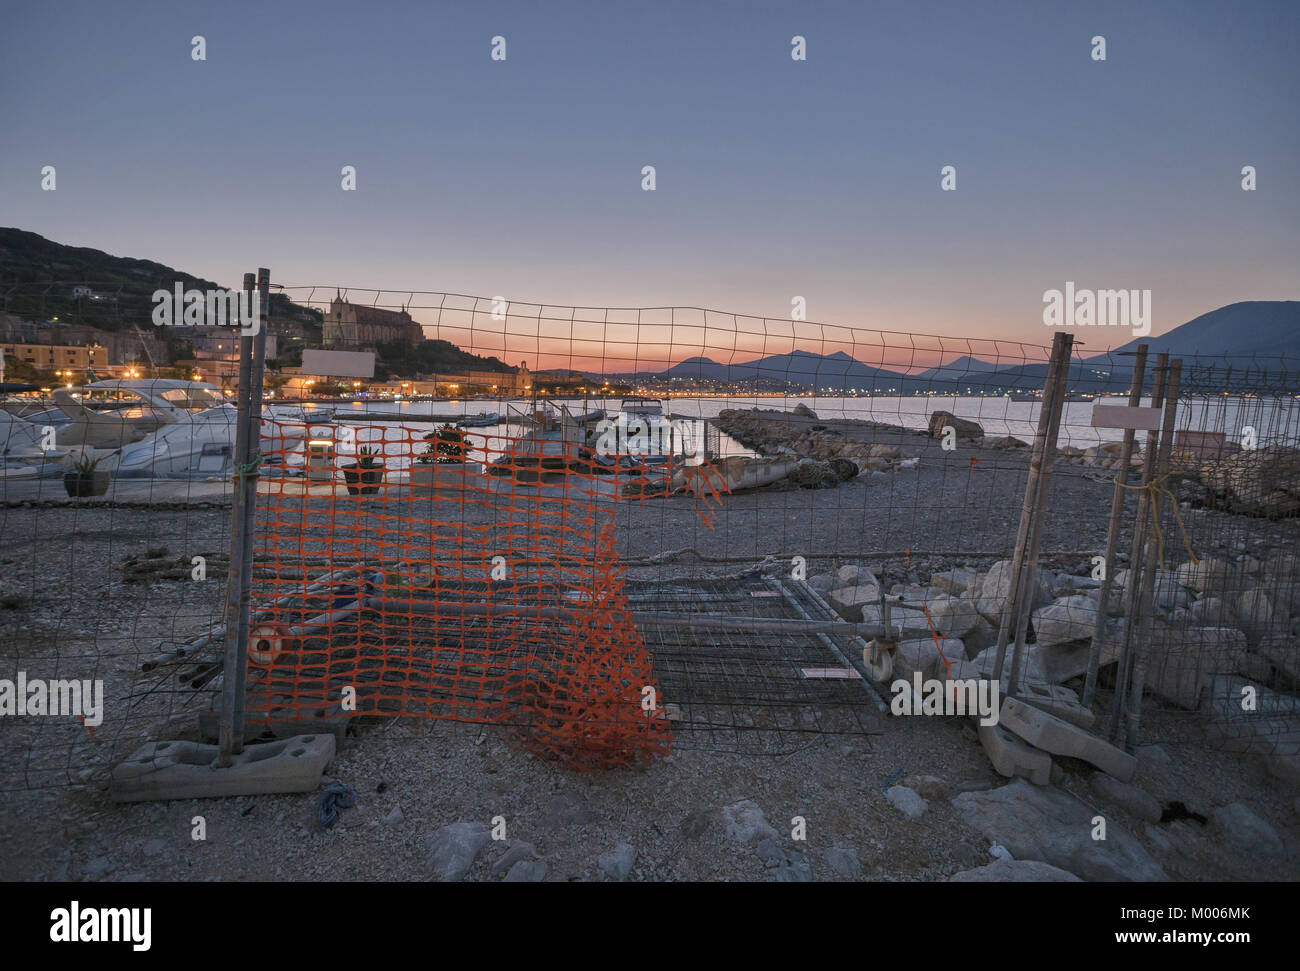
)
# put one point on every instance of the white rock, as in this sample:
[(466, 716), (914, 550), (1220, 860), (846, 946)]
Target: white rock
[(957, 582), (1015, 871), (996, 587), (1254, 615), (617, 863), (851, 575), (917, 655), (451, 850), (744, 822), (1128, 797), (952, 617), (1168, 595), (907, 801), (924, 655), (1212, 612), (1206, 575), (1069, 619), (823, 583), (849, 601), (1241, 827), (1047, 824), (844, 861), (1032, 667)]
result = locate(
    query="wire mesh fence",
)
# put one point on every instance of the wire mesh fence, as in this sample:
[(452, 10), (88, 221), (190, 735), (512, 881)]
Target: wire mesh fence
[(546, 517), (1223, 656)]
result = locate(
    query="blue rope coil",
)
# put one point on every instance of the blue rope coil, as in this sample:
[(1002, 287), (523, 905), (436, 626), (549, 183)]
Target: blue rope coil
[(335, 797)]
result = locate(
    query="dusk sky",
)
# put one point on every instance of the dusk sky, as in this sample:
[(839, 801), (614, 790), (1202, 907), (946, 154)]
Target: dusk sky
[(775, 178)]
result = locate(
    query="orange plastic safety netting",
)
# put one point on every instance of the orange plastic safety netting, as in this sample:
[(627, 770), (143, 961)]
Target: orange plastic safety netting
[(415, 570)]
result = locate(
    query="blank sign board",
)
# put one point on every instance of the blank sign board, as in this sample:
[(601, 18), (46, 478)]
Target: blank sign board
[(1125, 416), (339, 364)]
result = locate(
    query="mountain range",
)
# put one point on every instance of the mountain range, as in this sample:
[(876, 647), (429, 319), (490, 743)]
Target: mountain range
[(1253, 344), (1241, 344)]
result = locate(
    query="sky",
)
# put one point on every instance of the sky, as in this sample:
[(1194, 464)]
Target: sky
[(774, 178)]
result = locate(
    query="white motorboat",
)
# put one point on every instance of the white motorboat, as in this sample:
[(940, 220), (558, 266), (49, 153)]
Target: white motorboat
[(642, 406), (202, 443), (111, 414), (141, 428)]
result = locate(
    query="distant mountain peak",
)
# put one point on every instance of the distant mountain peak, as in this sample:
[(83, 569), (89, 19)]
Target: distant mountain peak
[(1247, 328)]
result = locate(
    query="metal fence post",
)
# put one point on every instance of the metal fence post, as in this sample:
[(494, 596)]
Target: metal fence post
[(236, 652), (247, 482)]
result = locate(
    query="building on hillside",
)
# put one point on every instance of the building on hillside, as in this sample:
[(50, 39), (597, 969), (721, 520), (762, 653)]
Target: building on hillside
[(497, 384), (355, 326), (123, 346), (59, 357), (88, 293)]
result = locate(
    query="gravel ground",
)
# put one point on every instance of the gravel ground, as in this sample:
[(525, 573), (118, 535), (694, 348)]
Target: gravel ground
[(66, 610)]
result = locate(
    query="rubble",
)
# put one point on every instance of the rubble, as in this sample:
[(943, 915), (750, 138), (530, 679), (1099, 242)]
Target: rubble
[(1059, 737), (1044, 823)]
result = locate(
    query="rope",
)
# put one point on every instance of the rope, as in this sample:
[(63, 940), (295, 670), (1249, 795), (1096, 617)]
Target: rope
[(248, 469), (1154, 490), (947, 665), (336, 796)]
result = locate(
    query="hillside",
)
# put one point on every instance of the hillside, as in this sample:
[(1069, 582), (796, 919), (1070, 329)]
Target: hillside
[(1250, 328), (1250, 338), (959, 368), (434, 356), (37, 276)]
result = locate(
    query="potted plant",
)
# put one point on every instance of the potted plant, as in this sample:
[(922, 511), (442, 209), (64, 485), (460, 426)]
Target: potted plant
[(444, 464), (85, 479), (364, 475)]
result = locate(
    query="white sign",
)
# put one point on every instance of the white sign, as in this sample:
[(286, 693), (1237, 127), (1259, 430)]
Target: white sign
[(1126, 416), (339, 364)]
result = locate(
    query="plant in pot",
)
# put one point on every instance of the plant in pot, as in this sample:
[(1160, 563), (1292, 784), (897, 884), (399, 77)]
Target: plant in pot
[(444, 462), (85, 479), (364, 475)]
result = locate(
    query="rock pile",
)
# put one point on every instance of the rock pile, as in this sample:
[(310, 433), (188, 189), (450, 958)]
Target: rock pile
[(1261, 482), (834, 457), (1217, 625)]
